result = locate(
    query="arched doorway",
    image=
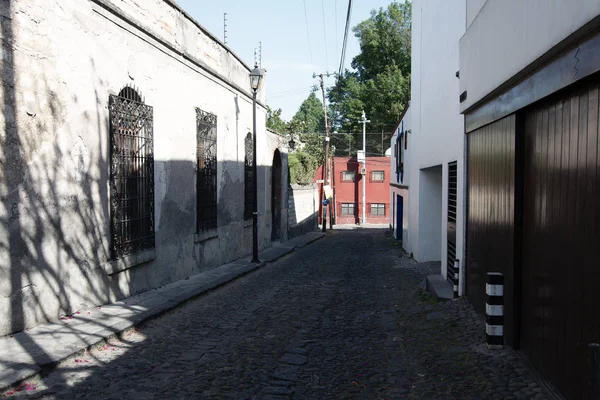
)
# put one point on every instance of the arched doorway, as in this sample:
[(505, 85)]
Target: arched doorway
[(276, 197)]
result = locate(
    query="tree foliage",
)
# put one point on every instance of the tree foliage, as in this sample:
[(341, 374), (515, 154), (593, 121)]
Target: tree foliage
[(302, 167), (274, 121), (379, 83)]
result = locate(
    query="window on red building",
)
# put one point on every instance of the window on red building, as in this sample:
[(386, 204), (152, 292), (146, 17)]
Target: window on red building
[(348, 176), (378, 209), (348, 209), (377, 176)]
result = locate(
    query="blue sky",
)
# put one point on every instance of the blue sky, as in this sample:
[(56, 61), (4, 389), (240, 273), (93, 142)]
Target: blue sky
[(281, 27)]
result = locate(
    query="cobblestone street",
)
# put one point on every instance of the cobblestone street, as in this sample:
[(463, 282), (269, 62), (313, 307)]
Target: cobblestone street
[(343, 318)]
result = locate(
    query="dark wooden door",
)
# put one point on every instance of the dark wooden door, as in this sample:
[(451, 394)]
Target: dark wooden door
[(561, 237), (490, 230)]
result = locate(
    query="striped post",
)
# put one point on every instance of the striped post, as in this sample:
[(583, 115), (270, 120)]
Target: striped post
[(456, 277), (494, 310)]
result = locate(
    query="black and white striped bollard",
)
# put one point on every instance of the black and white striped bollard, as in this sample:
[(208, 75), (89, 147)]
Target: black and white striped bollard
[(494, 310), (456, 277)]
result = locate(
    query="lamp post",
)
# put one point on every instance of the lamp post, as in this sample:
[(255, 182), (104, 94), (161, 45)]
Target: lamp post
[(255, 77)]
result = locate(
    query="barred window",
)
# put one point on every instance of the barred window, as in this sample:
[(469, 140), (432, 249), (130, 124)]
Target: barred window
[(348, 209), (248, 184), (378, 209), (131, 174), (347, 176), (377, 176), (206, 171)]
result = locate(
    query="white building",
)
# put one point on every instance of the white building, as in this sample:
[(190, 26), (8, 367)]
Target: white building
[(124, 155), (399, 178), (434, 159)]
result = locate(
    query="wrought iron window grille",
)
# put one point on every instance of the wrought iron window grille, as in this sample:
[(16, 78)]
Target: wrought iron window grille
[(206, 171), (131, 174), (248, 186)]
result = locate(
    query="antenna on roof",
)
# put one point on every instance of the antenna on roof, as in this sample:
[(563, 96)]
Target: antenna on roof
[(225, 28), (260, 54)]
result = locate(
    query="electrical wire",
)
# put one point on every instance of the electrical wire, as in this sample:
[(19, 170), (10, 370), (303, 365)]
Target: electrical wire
[(308, 33), (325, 35), (346, 30), (335, 18)]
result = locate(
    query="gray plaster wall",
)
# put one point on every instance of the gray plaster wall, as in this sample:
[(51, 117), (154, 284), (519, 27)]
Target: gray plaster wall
[(61, 61)]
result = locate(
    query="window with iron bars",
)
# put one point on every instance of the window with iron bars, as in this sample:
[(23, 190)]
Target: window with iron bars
[(206, 171), (131, 174), (248, 184)]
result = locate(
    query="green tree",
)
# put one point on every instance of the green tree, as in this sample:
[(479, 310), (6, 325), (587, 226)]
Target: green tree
[(309, 117), (274, 121), (379, 83), (385, 41), (302, 167)]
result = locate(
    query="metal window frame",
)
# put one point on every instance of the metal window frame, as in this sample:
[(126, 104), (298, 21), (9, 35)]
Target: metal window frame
[(131, 178), (378, 180), (378, 206), (348, 205), (248, 171), (348, 180), (206, 171)]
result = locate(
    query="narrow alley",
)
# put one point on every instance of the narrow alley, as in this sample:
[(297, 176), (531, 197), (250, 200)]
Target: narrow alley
[(343, 318)]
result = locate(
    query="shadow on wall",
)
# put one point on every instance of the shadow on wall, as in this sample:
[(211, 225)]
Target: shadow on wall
[(55, 221)]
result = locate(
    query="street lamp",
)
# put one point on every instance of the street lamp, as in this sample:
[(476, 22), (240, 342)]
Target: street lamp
[(292, 142), (255, 77)]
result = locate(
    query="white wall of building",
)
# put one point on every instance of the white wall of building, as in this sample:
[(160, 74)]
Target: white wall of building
[(399, 184), (437, 127), (473, 8), (489, 55), (64, 59)]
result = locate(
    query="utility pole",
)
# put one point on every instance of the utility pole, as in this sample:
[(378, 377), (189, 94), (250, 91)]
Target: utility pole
[(225, 28), (364, 120), (325, 171)]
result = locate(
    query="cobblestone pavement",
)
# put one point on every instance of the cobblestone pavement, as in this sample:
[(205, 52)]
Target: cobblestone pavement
[(344, 318)]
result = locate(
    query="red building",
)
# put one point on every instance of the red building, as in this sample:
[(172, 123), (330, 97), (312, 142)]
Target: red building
[(346, 181)]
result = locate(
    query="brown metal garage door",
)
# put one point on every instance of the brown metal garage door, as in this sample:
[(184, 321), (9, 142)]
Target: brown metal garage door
[(561, 236)]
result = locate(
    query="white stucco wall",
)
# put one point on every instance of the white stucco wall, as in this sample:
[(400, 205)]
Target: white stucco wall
[(473, 8), (508, 35), (437, 136), (396, 179), (62, 61)]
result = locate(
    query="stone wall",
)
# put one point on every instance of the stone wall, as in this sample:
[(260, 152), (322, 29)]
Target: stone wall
[(61, 61)]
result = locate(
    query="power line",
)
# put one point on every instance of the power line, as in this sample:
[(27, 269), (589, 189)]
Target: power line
[(343, 57), (308, 33), (325, 35), (335, 18)]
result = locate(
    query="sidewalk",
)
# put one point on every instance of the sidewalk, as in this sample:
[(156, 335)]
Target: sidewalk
[(31, 352)]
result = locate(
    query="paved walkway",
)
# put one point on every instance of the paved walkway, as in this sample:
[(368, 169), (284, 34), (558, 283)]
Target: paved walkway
[(344, 318), (28, 353)]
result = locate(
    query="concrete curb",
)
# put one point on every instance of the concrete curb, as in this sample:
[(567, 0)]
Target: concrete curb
[(26, 354)]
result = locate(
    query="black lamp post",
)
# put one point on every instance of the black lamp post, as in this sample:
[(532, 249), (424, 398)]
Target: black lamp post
[(255, 77), (292, 143)]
